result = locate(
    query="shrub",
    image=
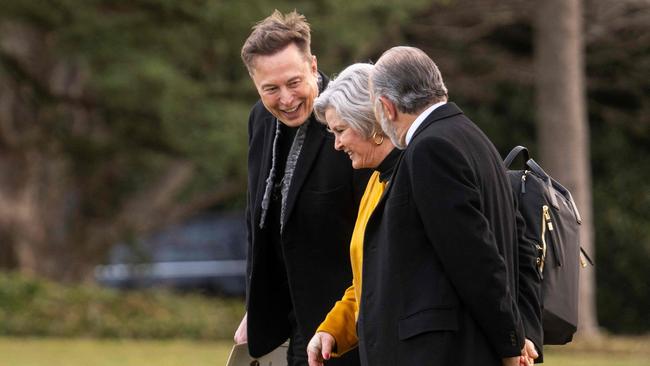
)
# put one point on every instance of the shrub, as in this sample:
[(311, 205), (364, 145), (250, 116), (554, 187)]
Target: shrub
[(36, 307)]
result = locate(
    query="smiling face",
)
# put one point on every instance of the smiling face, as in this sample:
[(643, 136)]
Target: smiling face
[(362, 151), (287, 84)]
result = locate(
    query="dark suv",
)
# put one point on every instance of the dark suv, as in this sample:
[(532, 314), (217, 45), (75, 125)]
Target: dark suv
[(206, 253)]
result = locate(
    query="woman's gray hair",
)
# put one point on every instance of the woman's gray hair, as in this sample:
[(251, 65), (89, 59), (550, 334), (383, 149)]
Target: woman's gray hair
[(409, 78), (349, 95)]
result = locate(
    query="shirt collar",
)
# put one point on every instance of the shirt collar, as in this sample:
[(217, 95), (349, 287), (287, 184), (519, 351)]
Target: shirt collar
[(418, 121)]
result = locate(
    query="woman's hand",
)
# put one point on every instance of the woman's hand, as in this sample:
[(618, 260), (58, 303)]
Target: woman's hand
[(320, 348)]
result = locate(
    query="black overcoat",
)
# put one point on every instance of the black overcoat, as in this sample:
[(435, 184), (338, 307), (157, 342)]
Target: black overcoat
[(440, 262), (321, 210)]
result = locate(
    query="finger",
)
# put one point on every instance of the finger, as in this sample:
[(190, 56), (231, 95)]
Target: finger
[(314, 357), (314, 351), (327, 344), (530, 349), (314, 361)]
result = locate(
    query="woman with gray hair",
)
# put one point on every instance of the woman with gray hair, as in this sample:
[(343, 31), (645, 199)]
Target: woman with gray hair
[(346, 109)]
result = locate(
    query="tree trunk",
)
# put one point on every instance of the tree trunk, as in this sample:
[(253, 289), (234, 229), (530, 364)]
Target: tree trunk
[(563, 131)]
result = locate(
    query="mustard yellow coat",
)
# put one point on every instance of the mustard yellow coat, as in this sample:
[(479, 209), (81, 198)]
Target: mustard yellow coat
[(342, 319)]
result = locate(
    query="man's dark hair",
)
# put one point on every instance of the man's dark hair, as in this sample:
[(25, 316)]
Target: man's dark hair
[(274, 34)]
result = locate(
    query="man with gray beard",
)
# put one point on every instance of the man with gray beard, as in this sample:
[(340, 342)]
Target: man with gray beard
[(447, 273)]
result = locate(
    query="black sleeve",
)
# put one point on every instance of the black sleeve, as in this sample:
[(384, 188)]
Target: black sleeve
[(529, 297)]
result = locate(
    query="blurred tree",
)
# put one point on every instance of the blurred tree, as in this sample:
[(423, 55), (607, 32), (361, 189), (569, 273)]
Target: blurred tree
[(618, 65), (113, 121), (117, 118), (562, 127)]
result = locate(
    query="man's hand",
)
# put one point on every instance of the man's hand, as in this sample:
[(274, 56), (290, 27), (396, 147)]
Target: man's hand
[(527, 358), (241, 335), (529, 353), (320, 348)]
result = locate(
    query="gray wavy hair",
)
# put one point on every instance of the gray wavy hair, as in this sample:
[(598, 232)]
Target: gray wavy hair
[(409, 78), (349, 95)]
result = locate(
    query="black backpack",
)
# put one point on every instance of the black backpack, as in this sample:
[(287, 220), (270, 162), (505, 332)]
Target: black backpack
[(552, 219)]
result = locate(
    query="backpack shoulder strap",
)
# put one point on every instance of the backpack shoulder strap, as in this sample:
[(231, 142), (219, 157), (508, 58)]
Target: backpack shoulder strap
[(514, 153), (549, 183)]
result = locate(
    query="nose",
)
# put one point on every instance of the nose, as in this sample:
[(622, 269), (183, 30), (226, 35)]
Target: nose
[(286, 97), (337, 143)]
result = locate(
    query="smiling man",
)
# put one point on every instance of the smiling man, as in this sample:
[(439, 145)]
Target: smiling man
[(302, 196)]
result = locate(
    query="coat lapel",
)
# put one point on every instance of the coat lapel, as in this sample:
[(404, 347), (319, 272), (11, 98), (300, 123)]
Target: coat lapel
[(442, 112), (310, 148), (379, 209)]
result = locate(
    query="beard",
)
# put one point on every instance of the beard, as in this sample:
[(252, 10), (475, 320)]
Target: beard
[(387, 126)]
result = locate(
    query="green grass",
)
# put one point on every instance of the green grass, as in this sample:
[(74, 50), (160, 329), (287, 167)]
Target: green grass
[(82, 352), (607, 351), (590, 359)]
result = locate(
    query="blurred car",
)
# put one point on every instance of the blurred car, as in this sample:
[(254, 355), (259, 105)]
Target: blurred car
[(205, 253)]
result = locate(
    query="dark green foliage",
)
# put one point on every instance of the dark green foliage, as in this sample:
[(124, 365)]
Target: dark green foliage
[(165, 81), (619, 96), (43, 308)]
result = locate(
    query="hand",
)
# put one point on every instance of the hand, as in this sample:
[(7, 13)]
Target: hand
[(529, 353), (241, 335), (320, 348), (527, 358)]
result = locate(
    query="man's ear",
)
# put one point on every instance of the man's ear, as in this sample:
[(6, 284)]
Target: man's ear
[(390, 110), (314, 65)]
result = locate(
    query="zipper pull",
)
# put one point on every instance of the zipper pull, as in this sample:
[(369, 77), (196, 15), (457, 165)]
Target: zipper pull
[(523, 183), (547, 217), (540, 259)]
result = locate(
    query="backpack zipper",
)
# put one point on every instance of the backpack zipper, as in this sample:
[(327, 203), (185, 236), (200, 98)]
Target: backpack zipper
[(549, 224), (540, 261)]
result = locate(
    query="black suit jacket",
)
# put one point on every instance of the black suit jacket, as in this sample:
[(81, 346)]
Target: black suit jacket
[(440, 254), (321, 209)]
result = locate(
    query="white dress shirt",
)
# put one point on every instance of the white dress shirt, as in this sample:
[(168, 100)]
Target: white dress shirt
[(418, 121)]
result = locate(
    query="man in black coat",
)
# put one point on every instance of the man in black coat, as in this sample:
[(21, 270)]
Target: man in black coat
[(302, 196), (441, 259)]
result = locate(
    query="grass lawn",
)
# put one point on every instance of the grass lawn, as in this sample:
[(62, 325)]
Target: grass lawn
[(83, 352), (608, 351)]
